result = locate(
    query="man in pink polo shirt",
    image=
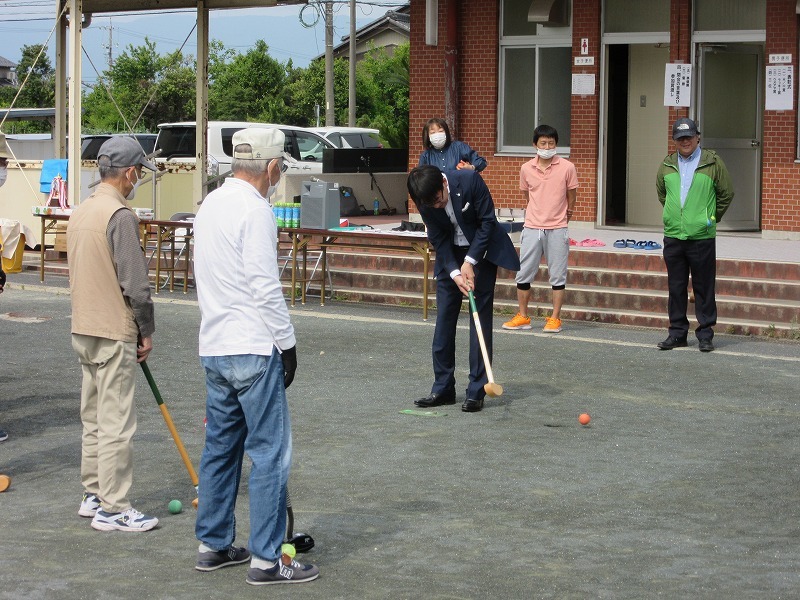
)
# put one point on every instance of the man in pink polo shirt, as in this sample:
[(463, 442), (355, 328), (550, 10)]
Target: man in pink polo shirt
[(548, 183)]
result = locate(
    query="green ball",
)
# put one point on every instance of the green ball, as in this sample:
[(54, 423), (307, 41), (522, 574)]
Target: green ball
[(175, 507)]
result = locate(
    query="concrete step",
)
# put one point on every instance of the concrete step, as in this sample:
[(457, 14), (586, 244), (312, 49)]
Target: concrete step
[(505, 309), (624, 287), (606, 261), (592, 296)]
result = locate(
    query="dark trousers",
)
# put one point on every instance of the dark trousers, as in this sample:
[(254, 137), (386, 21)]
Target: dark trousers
[(698, 258), (448, 307)]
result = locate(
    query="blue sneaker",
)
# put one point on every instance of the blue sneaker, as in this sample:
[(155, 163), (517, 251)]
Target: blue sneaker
[(293, 572), (211, 561), (129, 520)]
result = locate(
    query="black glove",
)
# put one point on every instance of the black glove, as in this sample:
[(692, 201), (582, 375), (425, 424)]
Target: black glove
[(289, 358)]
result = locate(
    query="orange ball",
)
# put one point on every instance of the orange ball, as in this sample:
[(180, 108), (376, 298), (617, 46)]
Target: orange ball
[(584, 419)]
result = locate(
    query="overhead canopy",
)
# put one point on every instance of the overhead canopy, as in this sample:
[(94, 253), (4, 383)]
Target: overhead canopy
[(548, 12), (68, 76), (92, 6), (27, 114)]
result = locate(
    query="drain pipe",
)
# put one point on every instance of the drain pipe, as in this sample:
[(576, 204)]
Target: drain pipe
[(451, 69)]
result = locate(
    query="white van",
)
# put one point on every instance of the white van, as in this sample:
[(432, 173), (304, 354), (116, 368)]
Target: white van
[(350, 137), (176, 142)]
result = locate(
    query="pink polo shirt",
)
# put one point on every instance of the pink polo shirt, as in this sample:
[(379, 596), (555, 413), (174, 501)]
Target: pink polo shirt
[(547, 192)]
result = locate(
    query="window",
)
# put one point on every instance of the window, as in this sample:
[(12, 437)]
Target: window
[(623, 16), (724, 15), (310, 146), (536, 79)]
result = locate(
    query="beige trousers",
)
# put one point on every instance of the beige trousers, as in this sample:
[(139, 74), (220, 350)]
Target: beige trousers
[(109, 418)]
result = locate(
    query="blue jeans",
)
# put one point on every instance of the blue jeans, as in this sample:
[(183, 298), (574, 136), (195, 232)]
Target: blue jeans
[(247, 412)]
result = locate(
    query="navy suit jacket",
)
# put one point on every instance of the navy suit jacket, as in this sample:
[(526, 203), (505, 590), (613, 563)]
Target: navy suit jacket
[(474, 209)]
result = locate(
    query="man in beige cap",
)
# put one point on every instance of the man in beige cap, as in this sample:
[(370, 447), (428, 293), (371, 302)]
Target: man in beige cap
[(112, 329), (247, 348)]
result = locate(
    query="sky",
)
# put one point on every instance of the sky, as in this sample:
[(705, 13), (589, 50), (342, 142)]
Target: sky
[(28, 22)]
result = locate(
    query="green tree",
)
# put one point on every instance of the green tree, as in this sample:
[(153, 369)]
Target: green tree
[(246, 87), (141, 90), (381, 93), (306, 89), (38, 91), (385, 78)]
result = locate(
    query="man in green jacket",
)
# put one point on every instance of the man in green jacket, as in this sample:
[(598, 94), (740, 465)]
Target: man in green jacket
[(695, 189)]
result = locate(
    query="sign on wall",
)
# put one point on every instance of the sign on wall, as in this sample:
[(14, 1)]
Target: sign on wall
[(677, 84), (583, 84), (780, 88)]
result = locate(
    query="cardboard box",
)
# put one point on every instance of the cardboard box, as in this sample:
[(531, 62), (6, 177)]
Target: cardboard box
[(61, 238)]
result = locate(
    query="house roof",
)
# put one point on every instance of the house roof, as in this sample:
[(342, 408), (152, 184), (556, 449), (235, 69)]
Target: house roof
[(397, 20), (4, 62)]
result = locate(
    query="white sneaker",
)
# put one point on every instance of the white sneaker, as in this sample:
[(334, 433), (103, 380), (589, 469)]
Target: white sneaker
[(90, 504), (129, 520)]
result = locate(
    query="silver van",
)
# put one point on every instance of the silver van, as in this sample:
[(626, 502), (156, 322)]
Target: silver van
[(176, 142)]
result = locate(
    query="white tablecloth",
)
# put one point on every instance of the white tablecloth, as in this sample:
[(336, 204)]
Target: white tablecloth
[(10, 231)]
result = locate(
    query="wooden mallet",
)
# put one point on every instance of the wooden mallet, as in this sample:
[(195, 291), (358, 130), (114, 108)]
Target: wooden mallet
[(492, 389), (171, 426)]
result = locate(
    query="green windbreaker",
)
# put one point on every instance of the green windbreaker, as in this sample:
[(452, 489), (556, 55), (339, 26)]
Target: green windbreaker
[(709, 196)]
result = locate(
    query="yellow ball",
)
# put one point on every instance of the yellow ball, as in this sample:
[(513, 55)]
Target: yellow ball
[(288, 550)]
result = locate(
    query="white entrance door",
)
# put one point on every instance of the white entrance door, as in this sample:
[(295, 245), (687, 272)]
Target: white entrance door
[(729, 119)]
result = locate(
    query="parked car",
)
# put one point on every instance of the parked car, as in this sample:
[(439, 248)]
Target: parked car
[(90, 144), (350, 137), (176, 141)]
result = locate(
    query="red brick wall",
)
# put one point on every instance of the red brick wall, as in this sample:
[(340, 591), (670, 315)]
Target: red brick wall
[(586, 109), (478, 51), (478, 64), (680, 32), (478, 80), (780, 192)]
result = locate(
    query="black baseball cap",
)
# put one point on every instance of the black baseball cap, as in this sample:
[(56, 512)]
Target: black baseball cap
[(684, 128)]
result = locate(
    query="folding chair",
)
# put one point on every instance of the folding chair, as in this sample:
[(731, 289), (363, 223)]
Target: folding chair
[(174, 254), (312, 256)]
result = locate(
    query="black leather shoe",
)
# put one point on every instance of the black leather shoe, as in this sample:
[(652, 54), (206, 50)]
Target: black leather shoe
[(437, 399), (706, 346), (671, 342), (472, 405)]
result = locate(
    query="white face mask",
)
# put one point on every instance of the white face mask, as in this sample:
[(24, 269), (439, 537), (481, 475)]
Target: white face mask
[(3, 175), (135, 184), (438, 139), (272, 188), (546, 153)]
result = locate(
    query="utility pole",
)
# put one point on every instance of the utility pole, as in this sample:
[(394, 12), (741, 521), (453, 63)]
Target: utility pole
[(110, 45), (351, 114), (330, 114)]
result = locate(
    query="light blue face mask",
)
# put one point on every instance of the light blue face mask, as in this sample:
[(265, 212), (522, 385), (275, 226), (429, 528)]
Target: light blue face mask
[(546, 153)]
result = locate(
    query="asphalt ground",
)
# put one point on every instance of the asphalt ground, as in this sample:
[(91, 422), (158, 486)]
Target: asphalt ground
[(684, 484)]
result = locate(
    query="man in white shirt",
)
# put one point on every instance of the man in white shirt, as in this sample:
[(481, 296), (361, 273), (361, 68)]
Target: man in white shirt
[(247, 348)]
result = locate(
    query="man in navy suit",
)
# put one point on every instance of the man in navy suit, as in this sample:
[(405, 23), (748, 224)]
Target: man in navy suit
[(458, 210)]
